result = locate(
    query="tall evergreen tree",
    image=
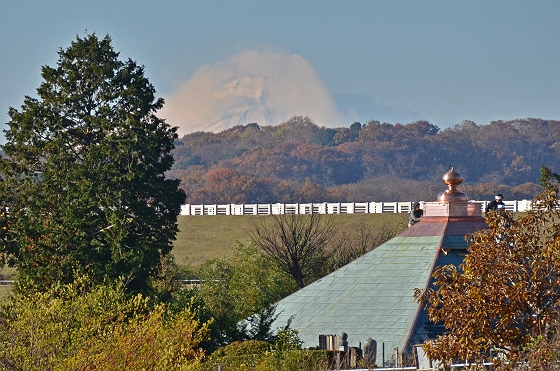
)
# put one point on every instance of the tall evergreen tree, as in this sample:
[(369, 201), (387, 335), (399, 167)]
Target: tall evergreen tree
[(83, 188)]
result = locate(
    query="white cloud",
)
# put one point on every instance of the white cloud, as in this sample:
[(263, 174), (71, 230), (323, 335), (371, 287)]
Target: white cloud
[(263, 87)]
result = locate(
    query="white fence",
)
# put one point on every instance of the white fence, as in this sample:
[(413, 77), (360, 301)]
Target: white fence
[(322, 208)]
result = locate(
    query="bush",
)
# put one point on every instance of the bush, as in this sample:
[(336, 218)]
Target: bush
[(76, 327), (285, 355), (238, 355), (238, 348), (306, 360), (298, 360), (293, 360)]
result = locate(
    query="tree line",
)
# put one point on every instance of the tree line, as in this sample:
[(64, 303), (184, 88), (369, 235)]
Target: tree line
[(299, 161)]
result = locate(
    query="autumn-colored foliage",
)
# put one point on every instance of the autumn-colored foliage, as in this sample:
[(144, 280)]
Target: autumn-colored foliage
[(505, 295), (299, 160)]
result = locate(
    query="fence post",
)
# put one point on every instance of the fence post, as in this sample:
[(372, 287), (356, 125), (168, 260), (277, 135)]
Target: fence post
[(322, 208)]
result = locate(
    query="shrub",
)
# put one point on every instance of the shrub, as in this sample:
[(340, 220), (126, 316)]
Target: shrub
[(76, 327)]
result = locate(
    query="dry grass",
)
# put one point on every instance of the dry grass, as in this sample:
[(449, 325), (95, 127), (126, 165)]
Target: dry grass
[(6, 273), (4, 291), (205, 237)]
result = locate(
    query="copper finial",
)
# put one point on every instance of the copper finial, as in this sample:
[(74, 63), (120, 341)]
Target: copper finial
[(452, 179)]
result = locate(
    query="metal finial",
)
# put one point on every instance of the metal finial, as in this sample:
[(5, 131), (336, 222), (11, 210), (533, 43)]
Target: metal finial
[(452, 178)]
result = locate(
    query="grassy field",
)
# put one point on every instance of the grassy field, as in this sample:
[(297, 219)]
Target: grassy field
[(6, 273), (204, 237), (4, 290)]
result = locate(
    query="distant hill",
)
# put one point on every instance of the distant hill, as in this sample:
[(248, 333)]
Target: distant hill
[(299, 161)]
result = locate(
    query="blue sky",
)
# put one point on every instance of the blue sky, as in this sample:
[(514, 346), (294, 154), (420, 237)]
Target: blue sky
[(395, 61)]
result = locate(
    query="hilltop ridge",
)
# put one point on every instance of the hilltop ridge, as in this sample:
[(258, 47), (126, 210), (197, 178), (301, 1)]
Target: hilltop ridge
[(300, 161)]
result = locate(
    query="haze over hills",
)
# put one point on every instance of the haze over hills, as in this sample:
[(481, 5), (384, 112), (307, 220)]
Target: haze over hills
[(267, 88)]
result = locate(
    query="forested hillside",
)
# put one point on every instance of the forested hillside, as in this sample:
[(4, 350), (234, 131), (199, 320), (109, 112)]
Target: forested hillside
[(299, 161)]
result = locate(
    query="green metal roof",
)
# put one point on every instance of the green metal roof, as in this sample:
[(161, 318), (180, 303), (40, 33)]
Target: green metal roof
[(372, 297)]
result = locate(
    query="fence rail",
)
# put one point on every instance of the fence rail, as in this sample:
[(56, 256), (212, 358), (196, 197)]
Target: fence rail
[(323, 208)]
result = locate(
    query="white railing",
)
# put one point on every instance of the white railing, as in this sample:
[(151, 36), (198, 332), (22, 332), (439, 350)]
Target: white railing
[(323, 208)]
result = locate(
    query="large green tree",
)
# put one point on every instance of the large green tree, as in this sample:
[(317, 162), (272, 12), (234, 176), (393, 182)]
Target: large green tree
[(83, 186)]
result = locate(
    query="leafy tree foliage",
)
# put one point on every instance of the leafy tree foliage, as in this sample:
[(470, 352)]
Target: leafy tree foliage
[(297, 243), (283, 354), (238, 355), (325, 137), (506, 294), (84, 173), (231, 186), (76, 326), (542, 353), (240, 287)]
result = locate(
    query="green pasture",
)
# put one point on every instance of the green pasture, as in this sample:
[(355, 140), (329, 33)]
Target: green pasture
[(205, 237)]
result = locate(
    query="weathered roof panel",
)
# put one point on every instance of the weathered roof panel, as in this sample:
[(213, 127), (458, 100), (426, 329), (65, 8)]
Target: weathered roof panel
[(366, 297)]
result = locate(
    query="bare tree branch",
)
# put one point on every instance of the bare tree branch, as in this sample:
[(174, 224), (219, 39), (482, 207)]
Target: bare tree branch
[(297, 243)]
